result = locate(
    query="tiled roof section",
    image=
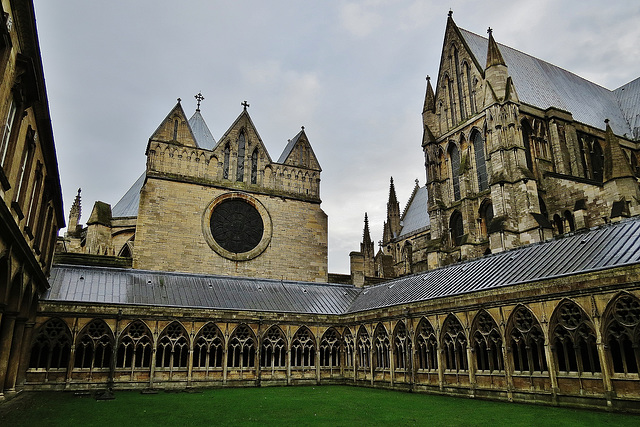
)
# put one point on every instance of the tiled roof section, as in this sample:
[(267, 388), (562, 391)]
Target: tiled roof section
[(201, 131), (629, 100), (127, 206), (139, 287), (544, 85), (415, 216), (601, 248), (289, 148)]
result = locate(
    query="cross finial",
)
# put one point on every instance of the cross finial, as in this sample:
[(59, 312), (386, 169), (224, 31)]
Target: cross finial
[(302, 127), (450, 13), (199, 98), (489, 31), (179, 100), (428, 77), (245, 104)]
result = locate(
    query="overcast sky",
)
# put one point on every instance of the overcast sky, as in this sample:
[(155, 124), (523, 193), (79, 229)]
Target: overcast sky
[(352, 72)]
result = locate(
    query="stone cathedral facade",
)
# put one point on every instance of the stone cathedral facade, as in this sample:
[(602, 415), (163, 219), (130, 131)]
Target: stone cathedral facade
[(211, 270)]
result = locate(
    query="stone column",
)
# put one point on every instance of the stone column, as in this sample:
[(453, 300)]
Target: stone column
[(472, 369), (6, 337), (441, 365), (152, 367), (15, 356), (25, 354), (605, 366), (553, 369), (317, 356)]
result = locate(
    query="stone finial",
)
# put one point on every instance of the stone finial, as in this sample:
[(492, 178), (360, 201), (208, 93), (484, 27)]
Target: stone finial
[(245, 104), (199, 98)]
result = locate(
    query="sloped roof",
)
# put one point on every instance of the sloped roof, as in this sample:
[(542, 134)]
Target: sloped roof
[(415, 216), (201, 131), (127, 206), (543, 85), (141, 287), (287, 150), (629, 99), (598, 249), (609, 246)]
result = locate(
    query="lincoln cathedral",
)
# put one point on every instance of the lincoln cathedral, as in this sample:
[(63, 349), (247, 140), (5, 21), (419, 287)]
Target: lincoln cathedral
[(512, 274)]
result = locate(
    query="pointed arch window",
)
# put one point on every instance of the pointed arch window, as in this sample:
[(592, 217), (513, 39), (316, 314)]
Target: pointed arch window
[(526, 340), (225, 165), (487, 344), (622, 334), (486, 216), (481, 165), (427, 346), (242, 351), (95, 346), (349, 348), (452, 104), (52, 346), (454, 156), (381, 347), (401, 347), (134, 349), (274, 349), (559, 224), (7, 132), (303, 349), (467, 71), (173, 347), (175, 130), (364, 348), (208, 347), (527, 134), (463, 107), (330, 349), (457, 228), (574, 340), (597, 161), (254, 167), (25, 167), (454, 344), (241, 150), (568, 217)]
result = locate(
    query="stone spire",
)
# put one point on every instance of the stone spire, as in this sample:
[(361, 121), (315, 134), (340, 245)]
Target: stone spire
[(74, 215), (393, 214), (494, 57), (616, 164), (429, 98), (367, 246)]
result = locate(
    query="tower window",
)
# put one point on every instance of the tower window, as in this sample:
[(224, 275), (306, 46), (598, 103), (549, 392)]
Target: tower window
[(240, 168)]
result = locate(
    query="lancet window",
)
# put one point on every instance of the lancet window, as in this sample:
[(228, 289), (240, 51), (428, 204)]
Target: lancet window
[(454, 156), (254, 167), (526, 342), (241, 150), (349, 348), (527, 135), (622, 334), (303, 349), (274, 349), (454, 344), (427, 346), (402, 347), (225, 164), (135, 346), (208, 348), (467, 72), (481, 165), (487, 344), (456, 227), (486, 216), (381, 347), (94, 346), (242, 351), (330, 349), (463, 108), (364, 348), (574, 340), (6, 133), (52, 346), (173, 347)]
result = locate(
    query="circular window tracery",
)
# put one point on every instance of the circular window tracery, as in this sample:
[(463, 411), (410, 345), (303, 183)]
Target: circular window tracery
[(237, 226)]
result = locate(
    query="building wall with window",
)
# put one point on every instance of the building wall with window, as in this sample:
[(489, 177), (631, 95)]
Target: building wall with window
[(31, 199)]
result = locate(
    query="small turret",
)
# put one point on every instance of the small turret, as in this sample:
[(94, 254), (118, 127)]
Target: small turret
[(393, 213), (74, 227), (366, 247)]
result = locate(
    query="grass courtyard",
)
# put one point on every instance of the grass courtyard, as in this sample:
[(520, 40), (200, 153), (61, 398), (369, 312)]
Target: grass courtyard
[(325, 405)]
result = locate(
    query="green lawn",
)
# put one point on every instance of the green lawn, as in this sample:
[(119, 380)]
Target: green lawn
[(325, 405)]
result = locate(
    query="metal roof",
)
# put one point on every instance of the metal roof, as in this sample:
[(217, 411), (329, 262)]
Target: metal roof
[(597, 249), (287, 150), (415, 216), (141, 287), (543, 85), (201, 131), (127, 206), (609, 246), (629, 99)]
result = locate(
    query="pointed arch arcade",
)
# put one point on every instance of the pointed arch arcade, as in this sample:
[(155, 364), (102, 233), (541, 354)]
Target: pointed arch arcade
[(622, 334)]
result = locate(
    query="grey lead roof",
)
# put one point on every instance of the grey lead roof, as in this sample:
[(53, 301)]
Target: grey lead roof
[(609, 246), (127, 206), (629, 99), (545, 85), (287, 150), (415, 216), (201, 131)]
